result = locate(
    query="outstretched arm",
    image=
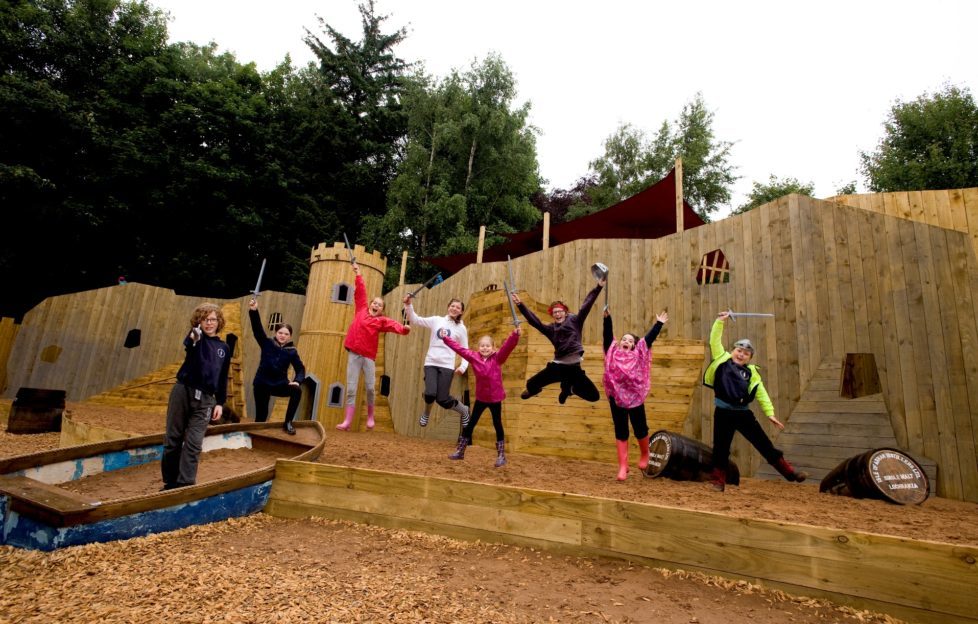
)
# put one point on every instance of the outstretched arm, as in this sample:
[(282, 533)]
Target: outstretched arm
[(589, 302), (661, 319), (466, 354)]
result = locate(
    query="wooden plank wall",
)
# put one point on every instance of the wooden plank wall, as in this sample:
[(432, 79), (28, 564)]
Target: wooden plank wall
[(839, 280), (916, 581), (8, 333), (90, 328), (952, 209)]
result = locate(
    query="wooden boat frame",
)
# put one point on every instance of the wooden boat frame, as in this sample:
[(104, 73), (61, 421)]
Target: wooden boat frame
[(40, 515)]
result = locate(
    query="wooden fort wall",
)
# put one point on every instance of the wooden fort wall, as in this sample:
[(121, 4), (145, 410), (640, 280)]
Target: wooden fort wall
[(76, 342), (838, 279)]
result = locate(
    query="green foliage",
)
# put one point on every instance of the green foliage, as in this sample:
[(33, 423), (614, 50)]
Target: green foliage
[(849, 188), (929, 143), (177, 165), (632, 162), (469, 160), (774, 188)]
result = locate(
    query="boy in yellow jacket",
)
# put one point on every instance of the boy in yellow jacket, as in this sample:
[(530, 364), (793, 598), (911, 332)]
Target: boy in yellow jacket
[(736, 383)]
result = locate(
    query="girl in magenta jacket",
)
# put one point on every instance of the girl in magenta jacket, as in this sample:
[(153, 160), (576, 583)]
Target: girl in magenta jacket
[(361, 344), (489, 393), (627, 364)]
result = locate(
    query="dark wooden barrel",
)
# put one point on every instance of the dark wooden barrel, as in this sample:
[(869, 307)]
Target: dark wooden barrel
[(36, 410), (683, 459), (884, 473)]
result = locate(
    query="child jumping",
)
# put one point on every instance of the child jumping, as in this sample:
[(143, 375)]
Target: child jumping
[(489, 393), (565, 334), (736, 383), (626, 382), (362, 340)]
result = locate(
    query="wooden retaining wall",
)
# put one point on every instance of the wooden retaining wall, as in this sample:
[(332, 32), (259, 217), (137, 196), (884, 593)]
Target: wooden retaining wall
[(838, 279), (917, 581)]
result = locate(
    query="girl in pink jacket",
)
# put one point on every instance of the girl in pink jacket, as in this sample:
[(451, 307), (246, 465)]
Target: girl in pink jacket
[(627, 364), (487, 364)]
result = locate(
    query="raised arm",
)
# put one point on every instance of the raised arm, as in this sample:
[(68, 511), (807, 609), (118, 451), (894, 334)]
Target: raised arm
[(508, 345), (256, 327), (589, 301), (414, 319), (716, 335), (661, 319), (359, 291), (530, 317)]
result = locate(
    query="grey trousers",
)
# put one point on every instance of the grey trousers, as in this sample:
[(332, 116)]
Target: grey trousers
[(354, 364), (187, 417)]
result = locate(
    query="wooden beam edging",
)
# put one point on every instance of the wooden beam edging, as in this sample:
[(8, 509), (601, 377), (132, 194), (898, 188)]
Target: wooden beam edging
[(914, 580)]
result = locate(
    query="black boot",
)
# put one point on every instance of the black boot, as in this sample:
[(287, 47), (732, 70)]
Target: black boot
[(718, 479), (289, 429), (460, 449)]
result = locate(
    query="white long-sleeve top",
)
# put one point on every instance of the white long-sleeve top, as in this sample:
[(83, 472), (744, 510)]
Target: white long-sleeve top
[(439, 354)]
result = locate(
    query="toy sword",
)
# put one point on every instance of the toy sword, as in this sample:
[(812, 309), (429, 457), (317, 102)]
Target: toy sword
[(512, 306), (353, 259), (734, 315), (437, 279), (257, 291)]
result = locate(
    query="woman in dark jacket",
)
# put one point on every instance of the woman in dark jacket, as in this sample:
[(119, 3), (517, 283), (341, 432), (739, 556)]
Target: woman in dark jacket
[(272, 379)]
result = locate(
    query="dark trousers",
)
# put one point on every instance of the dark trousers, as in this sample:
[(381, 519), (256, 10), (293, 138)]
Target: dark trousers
[(263, 393), (572, 379), (726, 423), (621, 415), (186, 423), (496, 409), (437, 385)]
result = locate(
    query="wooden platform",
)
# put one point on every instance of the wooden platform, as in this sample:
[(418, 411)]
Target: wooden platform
[(913, 580)]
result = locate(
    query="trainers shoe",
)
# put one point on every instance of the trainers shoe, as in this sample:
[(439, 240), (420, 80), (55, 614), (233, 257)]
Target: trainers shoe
[(525, 395), (562, 397), (423, 421)]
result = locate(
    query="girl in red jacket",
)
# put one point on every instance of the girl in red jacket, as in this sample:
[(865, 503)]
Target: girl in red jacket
[(487, 365), (361, 344)]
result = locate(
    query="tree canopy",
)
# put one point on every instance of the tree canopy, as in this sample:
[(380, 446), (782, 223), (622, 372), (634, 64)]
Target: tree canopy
[(774, 188), (929, 143), (632, 162), (469, 160)]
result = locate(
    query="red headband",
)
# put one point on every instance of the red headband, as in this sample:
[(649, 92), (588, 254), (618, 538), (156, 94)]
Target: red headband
[(555, 305)]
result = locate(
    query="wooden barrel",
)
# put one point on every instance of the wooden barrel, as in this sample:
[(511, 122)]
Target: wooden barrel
[(884, 473), (683, 459), (36, 410)]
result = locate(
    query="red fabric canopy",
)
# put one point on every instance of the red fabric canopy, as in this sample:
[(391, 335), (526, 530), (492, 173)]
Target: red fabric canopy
[(649, 214)]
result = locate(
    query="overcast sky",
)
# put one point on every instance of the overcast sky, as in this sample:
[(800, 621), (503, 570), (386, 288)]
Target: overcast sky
[(800, 88)]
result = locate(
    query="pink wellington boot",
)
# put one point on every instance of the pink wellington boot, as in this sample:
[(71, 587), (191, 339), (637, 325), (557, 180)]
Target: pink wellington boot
[(370, 417), (345, 425), (622, 459), (643, 453)]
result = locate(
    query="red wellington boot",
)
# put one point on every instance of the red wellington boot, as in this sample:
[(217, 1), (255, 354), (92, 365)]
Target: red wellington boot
[(622, 459)]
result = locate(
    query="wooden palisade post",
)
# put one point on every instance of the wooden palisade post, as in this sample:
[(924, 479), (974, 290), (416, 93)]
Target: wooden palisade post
[(546, 230), (679, 195), (482, 242)]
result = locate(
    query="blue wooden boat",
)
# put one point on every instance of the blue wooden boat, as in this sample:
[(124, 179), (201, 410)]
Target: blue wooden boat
[(39, 510)]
